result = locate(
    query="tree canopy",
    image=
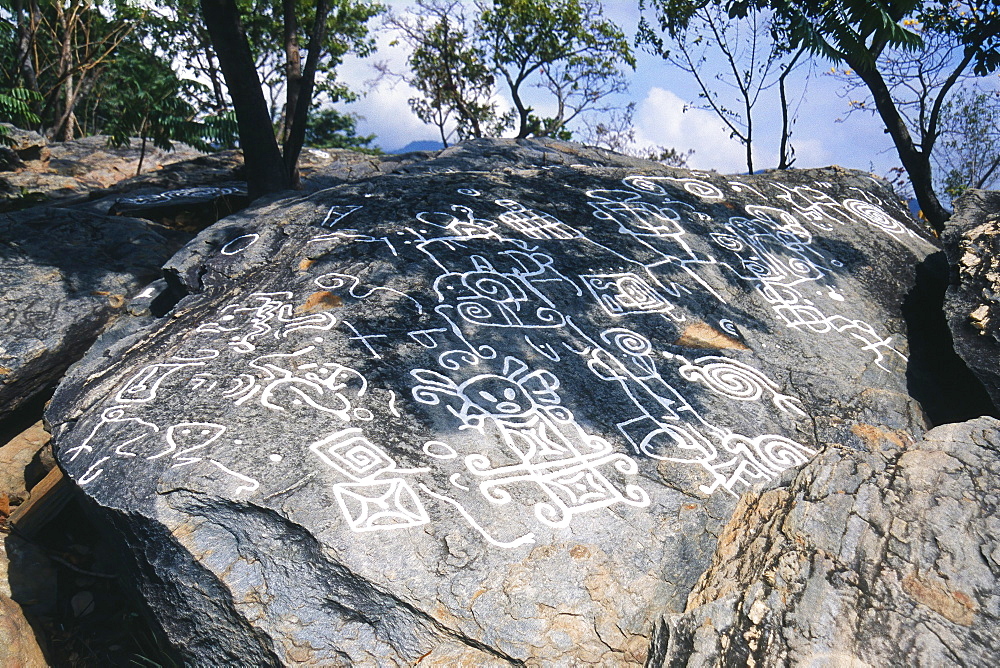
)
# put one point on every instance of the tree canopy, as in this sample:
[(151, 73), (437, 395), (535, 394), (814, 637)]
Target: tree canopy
[(266, 73)]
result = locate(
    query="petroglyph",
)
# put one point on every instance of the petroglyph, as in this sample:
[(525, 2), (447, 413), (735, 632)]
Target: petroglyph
[(541, 387)]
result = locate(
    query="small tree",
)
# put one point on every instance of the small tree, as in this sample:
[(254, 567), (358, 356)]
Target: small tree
[(15, 108), (60, 50), (562, 46), (753, 60), (329, 128), (858, 33), (334, 27), (968, 154), (449, 71), (145, 98)]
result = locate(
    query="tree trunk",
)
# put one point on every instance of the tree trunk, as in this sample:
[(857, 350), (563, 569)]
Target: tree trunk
[(64, 126), (916, 163), (297, 129), (785, 151), (25, 42), (522, 111), (265, 169), (293, 66)]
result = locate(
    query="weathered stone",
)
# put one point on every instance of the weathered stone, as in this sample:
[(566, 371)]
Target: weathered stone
[(64, 276), (20, 647), (9, 160), (501, 413), (972, 242), (27, 585), (882, 558), (29, 146), (191, 209), (23, 462), (68, 170)]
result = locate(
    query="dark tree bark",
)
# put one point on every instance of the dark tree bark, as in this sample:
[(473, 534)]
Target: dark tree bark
[(266, 171), (26, 29), (916, 162), (785, 152), (293, 66), (303, 95)]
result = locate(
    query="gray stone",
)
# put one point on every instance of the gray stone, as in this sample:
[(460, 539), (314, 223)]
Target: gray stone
[(24, 460), (191, 209), (495, 410), (67, 171), (972, 242), (27, 145), (65, 276), (884, 558)]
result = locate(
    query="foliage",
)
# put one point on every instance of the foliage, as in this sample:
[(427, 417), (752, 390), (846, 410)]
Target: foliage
[(448, 68), (329, 128), (59, 50), (561, 46), (859, 33), (839, 30), (909, 89), (15, 108), (755, 59), (668, 156), (145, 98), (969, 149)]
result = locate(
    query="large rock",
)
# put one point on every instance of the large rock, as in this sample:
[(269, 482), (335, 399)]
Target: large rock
[(69, 170), (27, 146), (498, 409), (972, 242), (863, 559), (191, 209), (64, 276)]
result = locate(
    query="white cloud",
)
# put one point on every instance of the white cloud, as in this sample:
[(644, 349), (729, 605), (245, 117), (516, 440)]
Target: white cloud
[(660, 120), (384, 104)]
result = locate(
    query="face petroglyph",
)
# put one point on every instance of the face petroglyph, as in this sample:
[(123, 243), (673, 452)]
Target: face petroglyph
[(494, 349)]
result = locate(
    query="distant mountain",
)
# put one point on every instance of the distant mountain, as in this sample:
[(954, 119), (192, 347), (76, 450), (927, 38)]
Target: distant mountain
[(422, 145)]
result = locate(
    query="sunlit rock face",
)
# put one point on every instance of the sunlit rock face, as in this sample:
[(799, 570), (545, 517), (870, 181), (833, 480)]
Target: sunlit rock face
[(64, 277), (972, 242), (495, 409)]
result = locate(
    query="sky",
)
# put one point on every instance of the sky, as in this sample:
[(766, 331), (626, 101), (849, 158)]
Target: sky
[(824, 133)]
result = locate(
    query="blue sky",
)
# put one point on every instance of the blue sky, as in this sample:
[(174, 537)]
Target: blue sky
[(823, 134)]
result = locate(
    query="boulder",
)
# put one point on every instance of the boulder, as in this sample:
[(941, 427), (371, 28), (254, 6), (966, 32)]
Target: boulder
[(27, 145), (69, 170), (64, 276), (497, 408), (9, 160), (862, 559), (24, 461), (191, 209), (972, 242), (97, 164)]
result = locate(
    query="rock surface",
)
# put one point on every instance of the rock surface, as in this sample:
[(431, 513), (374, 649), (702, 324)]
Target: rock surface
[(886, 557), (972, 242), (26, 145), (191, 209), (64, 276), (24, 460), (495, 410), (66, 169)]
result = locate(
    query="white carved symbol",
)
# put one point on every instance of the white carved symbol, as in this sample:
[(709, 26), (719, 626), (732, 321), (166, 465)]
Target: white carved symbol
[(337, 213), (737, 381), (622, 294), (534, 224), (370, 502), (563, 468), (493, 298)]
